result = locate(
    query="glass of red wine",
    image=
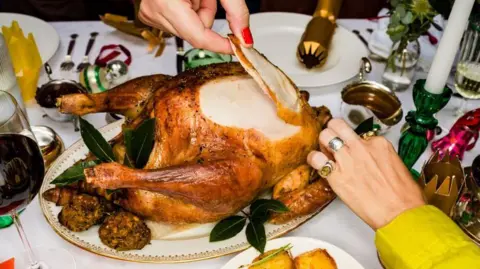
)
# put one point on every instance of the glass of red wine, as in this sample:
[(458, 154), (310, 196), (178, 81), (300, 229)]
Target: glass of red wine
[(21, 175)]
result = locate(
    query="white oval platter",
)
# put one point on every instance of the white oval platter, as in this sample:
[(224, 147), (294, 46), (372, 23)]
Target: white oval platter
[(172, 244)]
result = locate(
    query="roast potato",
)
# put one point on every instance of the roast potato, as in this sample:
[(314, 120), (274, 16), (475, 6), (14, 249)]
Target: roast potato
[(315, 259), (282, 260)]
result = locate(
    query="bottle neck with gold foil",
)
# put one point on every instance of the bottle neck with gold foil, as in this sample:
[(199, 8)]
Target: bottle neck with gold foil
[(328, 9), (313, 48)]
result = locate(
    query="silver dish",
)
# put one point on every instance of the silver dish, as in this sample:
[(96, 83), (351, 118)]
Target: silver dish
[(54, 88)]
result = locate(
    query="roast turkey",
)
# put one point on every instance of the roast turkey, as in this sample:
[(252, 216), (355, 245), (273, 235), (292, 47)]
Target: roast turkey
[(224, 134)]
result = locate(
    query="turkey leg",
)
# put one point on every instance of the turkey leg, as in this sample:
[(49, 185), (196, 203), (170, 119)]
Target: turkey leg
[(224, 185), (128, 98)]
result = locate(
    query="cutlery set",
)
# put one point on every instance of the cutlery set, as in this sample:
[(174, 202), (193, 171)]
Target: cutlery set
[(68, 63), (180, 54)]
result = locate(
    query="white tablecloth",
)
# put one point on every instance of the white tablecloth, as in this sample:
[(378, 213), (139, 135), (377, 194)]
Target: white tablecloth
[(336, 224)]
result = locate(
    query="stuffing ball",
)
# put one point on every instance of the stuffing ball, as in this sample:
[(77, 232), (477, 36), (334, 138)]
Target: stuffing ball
[(81, 213), (124, 231)]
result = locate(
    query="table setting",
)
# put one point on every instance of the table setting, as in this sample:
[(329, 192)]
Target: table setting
[(99, 108)]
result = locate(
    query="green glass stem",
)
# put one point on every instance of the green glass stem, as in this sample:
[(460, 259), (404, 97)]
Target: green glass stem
[(413, 141)]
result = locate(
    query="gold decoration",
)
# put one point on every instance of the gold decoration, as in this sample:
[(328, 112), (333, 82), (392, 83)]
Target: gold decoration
[(155, 37), (313, 48), (442, 180)]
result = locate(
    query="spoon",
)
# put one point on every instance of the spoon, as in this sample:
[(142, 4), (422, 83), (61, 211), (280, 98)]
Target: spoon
[(371, 55)]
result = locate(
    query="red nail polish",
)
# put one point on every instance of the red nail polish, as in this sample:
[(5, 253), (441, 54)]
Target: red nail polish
[(247, 36)]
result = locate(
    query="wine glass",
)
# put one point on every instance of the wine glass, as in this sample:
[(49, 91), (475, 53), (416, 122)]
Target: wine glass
[(21, 174), (467, 75)]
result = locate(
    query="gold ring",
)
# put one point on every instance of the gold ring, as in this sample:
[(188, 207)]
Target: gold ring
[(368, 135), (326, 170)]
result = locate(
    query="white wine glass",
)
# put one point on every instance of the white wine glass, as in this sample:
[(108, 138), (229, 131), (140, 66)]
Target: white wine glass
[(467, 75)]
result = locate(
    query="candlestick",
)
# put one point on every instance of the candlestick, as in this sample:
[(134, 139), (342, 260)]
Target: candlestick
[(448, 47), (413, 141)]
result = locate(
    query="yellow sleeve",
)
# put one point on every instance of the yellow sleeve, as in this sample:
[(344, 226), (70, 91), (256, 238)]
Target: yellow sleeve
[(425, 238)]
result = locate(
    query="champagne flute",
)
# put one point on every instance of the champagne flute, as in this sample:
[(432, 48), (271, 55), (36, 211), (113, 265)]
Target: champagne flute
[(467, 76), (21, 175)]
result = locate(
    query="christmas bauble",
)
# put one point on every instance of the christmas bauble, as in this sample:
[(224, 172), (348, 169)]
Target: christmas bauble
[(117, 72), (94, 78)]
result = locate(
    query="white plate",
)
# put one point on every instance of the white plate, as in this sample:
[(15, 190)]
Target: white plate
[(299, 245), (46, 37), (176, 245), (277, 34)]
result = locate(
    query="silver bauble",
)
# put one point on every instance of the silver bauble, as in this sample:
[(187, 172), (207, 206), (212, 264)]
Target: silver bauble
[(117, 72)]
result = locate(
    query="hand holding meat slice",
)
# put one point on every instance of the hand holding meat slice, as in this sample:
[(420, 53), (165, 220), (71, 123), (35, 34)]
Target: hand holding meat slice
[(224, 134)]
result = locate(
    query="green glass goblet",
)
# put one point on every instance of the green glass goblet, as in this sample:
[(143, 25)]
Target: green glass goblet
[(199, 57)]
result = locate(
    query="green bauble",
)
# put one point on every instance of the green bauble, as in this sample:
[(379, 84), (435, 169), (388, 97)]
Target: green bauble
[(94, 78)]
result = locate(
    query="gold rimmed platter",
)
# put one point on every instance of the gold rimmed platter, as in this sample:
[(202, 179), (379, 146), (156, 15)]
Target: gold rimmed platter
[(169, 244)]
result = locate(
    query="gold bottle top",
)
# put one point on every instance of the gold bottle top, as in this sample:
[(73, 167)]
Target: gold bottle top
[(314, 45)]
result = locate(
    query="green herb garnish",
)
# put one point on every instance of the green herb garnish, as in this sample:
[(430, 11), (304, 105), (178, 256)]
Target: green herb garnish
[(260, 211), (139, 143), (95, 142), (227, 228), (269, 256), (256, 235), (142, 142), (73, 174)]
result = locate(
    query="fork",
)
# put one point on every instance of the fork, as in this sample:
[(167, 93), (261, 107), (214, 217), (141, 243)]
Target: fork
[(85, 62), (67, 63)]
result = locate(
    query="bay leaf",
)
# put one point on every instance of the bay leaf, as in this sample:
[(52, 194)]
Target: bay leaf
[(73, 174), (260, 209), (256, 235), (227, 228), (95, 142), (142, 143)]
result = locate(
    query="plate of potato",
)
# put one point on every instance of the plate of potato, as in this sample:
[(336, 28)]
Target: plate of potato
[(294, 253)]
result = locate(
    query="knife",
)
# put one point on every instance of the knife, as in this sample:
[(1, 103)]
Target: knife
[(180, 53)]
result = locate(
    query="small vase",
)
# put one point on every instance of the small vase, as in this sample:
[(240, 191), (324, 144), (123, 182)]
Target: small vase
[(399, 73)]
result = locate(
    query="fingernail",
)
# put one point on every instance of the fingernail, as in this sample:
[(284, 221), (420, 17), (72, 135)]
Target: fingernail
[(316, 159), (247, 36)]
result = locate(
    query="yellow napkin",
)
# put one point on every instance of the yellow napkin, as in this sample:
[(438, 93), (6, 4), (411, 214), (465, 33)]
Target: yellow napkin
[(25, 58)]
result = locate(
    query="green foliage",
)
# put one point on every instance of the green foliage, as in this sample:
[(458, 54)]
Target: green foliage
[(95, 142), (139, 143), (260, 211), (73, 174), (409, 19)]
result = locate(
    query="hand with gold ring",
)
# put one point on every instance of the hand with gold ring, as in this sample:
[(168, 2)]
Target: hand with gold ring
[(367, 174)]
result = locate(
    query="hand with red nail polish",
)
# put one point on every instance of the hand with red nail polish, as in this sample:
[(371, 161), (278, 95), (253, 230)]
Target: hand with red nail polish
[(192, 20)]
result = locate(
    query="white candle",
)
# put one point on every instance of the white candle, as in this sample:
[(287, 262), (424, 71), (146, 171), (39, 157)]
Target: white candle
[(448, 47)]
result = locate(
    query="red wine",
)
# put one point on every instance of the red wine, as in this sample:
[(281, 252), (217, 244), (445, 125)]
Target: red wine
[(21, 171)]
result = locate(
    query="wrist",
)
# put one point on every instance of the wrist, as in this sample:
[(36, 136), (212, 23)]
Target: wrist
[(396, 210)]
